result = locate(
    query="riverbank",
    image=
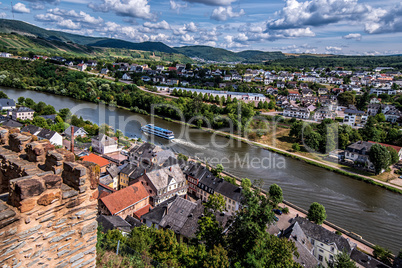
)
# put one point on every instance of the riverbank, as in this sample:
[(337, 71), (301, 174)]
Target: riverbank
[(393, 188), (294, 211)]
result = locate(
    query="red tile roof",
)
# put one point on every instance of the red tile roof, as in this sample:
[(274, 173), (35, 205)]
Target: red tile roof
[(96, 159), (124, 198), (397, 148), (142, 211)]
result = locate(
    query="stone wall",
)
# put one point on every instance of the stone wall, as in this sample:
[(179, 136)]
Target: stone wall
[(49, 220)]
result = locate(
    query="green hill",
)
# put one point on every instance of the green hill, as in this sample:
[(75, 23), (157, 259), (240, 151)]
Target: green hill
[(256, 56), (209, 53), (23, 28), (219, 54)]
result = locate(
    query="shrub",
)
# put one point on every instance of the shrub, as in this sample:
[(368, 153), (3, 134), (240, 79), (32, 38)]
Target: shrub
[(285, 210)]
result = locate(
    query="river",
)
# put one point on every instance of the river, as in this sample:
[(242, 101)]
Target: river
[(370, 211)]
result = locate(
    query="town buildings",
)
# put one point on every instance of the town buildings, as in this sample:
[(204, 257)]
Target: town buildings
[(22, 113)]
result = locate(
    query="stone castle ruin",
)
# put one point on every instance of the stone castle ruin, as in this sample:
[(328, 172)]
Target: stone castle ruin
[(48, 204)]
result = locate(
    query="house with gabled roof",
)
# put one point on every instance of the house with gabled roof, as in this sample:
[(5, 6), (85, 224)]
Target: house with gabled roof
[(7, 104), (50, 135), (104, 144), (78, 131), (162, 184), (325, 244), (130, 201)]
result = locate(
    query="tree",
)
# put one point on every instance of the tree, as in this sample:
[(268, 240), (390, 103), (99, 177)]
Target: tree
[(246, 183), (384, 255), (341, 260), (380, 117), (275, 194), (316, 213), (380, 157), (29, 102), (65, 114), (216, 257), (296, 147), (216, 203), (394, 157), (313, 140), (21, 100), (3, 95), (249, 225), (40, 122), (217, 171)]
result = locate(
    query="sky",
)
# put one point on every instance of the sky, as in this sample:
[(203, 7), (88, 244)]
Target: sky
[(347, 27)]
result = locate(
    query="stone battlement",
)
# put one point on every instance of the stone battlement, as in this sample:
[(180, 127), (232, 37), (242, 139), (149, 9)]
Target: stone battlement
[(49, 208)]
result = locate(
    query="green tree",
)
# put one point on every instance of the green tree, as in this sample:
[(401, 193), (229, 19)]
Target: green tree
[(48, 109), (394, 157), (275, 194), (380, 117), (216, 258), (313, 140), (40, 122), (216, 203), (246, 184), (210, 231), (380, 157), (249, 225), (3, 95), (384, 255), (296, 147), (29, 102), (341, 260), (218, 170), (65, 114), (21, 100), (317, 213)]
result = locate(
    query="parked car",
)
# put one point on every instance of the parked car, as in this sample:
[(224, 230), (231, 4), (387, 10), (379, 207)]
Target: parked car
[(277, 211), (276, 218)]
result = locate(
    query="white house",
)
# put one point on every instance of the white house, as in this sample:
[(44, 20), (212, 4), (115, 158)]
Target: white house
[(5, 55), (296, 112), (21, 113), (7, 104), (54, 137), (82, 67), (126, 76), (103, 144), (78, 131)]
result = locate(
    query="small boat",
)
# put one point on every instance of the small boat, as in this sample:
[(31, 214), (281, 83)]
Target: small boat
[(158, 131)]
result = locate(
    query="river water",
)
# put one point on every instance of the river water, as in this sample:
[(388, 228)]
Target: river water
[(370, 211)]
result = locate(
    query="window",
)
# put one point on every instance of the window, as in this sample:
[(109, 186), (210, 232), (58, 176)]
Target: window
[(320, 258), (312, 241), (320, 250), (332, 249)]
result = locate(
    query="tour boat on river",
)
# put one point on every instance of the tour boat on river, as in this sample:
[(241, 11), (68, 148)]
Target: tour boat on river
[(158, 131)]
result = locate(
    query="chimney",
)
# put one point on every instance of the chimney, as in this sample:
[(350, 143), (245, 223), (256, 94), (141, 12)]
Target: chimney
[(72, 138)]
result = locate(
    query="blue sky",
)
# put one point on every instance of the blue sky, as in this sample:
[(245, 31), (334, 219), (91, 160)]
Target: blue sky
[(350, 27)]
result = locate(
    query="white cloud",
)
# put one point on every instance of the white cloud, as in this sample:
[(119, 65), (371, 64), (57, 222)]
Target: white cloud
[(53, 2), (222, 13), (385, 21), (3, 15), (163, 25), (305, 48), (129, 8), (191, 27), (176, 6), (21, 8), (233, 42), (333, 50), (212, 2), (37, 6), (69, 24), (355, 36)]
